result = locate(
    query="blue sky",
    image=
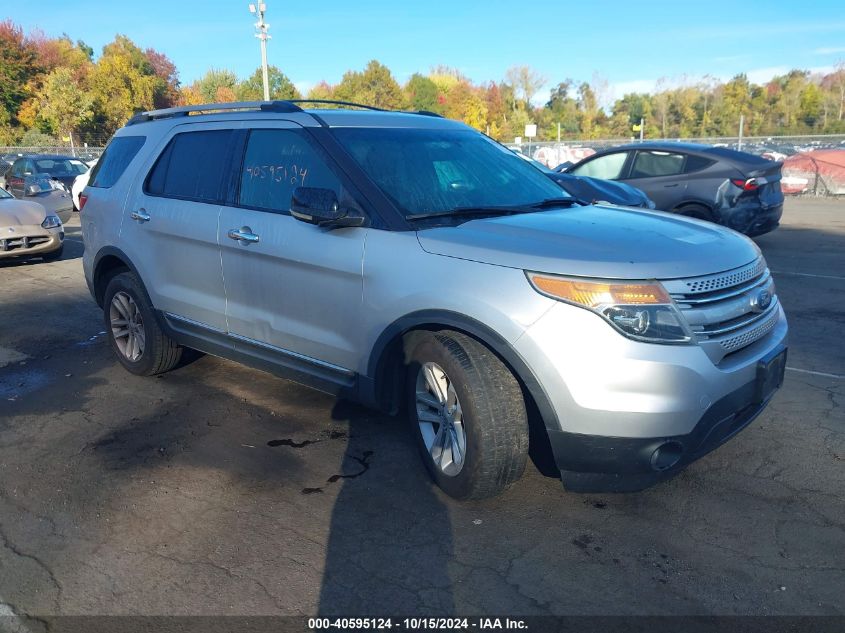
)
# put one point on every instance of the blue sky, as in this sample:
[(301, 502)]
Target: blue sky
[(630, 44)]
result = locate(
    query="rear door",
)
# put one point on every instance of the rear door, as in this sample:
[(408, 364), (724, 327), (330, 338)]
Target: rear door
[(660, 175), (171, 224), (295, 289)]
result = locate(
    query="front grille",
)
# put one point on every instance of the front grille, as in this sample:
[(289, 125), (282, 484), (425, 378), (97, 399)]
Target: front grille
[(21, 243), (724, 309)]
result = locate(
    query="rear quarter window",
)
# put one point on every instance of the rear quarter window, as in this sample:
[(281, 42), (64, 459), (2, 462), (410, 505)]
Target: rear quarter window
[(115, 160), (696, 163), (192, 167)]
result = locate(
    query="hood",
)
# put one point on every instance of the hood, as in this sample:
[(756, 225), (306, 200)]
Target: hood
[(593, 189), (20, 213), (595, 241)]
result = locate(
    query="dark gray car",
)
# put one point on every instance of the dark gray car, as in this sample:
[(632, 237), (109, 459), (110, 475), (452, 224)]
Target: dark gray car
[(736, 189)]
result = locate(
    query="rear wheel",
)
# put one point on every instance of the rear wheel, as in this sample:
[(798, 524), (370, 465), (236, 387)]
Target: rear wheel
[(139, 343), (696, 211), (467, 414)]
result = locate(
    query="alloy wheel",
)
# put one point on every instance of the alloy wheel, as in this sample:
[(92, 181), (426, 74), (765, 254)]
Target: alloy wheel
[(440, 419)]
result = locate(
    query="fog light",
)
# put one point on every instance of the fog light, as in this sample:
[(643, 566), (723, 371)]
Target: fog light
[(666, 455)]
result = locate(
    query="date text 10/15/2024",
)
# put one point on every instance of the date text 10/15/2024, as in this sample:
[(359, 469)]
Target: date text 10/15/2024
[(417, 624)]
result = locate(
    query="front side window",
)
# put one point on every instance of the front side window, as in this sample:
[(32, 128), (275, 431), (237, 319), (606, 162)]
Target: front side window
[(275, 163), (655, 164), (115, 160), (607, 167), (427, 171), (192, 167)]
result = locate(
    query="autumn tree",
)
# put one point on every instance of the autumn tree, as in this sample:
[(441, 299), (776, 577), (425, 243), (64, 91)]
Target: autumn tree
[(18, 65), (373, 86), (64, 105)]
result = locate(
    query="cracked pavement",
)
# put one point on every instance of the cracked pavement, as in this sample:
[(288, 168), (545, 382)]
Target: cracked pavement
[(217, 489)]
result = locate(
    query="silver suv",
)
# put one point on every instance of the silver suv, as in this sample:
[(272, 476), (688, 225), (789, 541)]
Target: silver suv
[(412, 264)]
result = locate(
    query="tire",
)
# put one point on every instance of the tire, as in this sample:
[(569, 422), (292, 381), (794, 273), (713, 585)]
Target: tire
[(486, 397), (55, 255), (696, 211), (145, 350)]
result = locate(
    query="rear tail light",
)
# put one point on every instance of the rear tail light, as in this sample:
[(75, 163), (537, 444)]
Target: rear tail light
[(82, 200), (746, 185)]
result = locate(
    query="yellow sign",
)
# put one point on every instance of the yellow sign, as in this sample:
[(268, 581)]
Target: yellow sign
[(636, 127), (66, 139)]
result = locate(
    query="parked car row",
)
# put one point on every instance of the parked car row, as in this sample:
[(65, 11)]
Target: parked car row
[(36, 202), (638, 340), (735, 189)]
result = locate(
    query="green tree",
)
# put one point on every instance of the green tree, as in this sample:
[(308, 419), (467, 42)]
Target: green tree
[(252, 88), (64, 105), (422, 94), (374, 86), (217, 86), (525, 81)]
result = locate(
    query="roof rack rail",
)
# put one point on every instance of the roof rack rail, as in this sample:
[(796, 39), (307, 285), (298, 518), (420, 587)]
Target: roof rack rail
[(333, 102), (265, 106)]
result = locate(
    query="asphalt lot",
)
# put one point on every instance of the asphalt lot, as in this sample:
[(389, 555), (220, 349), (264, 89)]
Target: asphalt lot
[(216, 489)]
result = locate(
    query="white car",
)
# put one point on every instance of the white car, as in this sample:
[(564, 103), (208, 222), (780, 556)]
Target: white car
[(80, 182)]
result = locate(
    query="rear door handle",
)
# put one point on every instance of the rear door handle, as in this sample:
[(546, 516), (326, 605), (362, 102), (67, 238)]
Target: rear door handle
[(243, 235), (669, 186), (140, 215)]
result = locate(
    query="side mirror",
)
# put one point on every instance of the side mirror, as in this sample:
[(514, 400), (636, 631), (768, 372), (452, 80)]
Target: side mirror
[(321, 207)]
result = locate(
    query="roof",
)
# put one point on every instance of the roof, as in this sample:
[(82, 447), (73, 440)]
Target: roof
[(724, 153)]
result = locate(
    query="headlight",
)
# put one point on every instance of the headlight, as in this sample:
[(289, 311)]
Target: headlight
[(52, 222), (641, 310)]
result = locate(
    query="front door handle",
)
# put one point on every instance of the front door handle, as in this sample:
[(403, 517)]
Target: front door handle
[(140, 215), (670, 186), (243, 235)]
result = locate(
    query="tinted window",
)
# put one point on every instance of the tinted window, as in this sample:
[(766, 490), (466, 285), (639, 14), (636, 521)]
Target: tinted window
[(427, 171), (608, 167), (696, 163), (277, 162), (653, 164), (192, 167), (115, 160)]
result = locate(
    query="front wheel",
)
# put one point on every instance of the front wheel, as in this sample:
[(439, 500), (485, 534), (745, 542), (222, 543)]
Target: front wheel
[(468, 415)]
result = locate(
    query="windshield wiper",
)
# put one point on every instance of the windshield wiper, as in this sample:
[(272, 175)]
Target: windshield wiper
[(467, 211), (554, 202)]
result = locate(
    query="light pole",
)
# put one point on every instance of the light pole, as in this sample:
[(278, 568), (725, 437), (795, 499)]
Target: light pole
[(261, 26)]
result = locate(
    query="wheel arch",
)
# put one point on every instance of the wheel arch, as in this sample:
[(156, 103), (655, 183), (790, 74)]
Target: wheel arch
[(109, 261), (385, 369)]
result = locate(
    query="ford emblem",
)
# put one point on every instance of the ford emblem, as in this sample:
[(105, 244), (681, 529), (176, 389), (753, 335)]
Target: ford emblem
[(761, 301)]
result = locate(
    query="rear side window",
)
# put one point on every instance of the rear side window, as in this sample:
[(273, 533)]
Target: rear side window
[(608, 167), (192, 167), (115, 160), (275, 163), (697, 163), (654, 164)]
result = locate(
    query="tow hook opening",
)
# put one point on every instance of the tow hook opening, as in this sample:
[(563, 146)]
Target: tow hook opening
[(666, 455)]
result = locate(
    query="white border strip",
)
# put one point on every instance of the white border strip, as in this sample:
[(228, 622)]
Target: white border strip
[(784, 272), (815, 373)]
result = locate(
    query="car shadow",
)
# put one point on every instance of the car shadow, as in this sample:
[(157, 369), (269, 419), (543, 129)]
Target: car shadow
[(390, 539)]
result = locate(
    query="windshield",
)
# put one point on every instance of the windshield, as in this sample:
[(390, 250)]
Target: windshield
[(436, 171), (60, 166)]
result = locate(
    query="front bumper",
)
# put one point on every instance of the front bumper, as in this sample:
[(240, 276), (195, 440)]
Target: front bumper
[(616, 400), (30, 241)]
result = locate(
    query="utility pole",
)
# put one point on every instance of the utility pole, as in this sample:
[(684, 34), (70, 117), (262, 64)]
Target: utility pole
[(261, 26), (558, 131), (741, 125), (642, 127)]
